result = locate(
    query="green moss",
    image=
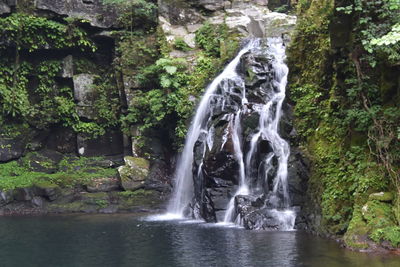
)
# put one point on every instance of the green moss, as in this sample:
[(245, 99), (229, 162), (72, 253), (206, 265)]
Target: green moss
[(216, 40), (373, 221), (333, 126), (356, 235), (378, 214), (382, 196), (13, 175), (137, 162), (391, 234), (136, 193), (138, 198), (75, 206)]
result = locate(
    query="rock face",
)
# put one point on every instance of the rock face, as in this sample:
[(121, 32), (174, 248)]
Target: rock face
[(109, 144), (84, 95), (245, 17), (98, 14), (134, 174), (4, 8), (11, 148)]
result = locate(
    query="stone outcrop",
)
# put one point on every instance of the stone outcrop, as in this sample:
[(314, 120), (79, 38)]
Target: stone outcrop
[(11, 148), (94, 11), (247, 18), (4, 7), (134, 173)]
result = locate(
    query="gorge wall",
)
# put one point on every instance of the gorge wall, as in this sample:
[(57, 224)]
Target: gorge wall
[(346, 90)]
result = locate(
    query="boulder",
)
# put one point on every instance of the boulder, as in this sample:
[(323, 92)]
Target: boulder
[(94, 11), (45, 161), (159, 177), (134, 173), (178, 12), (382, 196), (255, 216), (6, 197), (47, 190), (4, 8), (23, 194), (103, 185), (11, 148), (278, 24)]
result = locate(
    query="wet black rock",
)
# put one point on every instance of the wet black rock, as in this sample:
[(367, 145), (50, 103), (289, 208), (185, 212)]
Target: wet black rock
[(11, 148), (98, 14)]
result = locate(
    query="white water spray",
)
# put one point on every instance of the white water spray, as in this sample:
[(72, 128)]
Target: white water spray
[(268, 130), (183, 189)]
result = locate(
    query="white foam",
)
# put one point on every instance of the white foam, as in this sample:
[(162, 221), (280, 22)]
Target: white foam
[(164, 217)]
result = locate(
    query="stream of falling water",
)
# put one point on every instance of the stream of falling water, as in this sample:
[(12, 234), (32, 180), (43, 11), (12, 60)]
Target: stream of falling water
[(268, 129), (183, 189)]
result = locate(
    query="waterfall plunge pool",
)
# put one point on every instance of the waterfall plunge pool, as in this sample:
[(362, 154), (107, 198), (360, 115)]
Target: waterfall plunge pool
[(130, 240)]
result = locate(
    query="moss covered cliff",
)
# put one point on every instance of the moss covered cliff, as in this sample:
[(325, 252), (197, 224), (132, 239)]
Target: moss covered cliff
[(346, 93)]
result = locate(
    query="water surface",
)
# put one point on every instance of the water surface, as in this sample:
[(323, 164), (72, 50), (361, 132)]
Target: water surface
[(127, 240)]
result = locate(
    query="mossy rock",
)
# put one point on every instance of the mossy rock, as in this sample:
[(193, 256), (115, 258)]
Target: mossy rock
[(382, 196), (76, 206), (45, 161), (88, 203), (389, 234), (357, 234), (103, 185), (131, 200), (378, 214), (134, 174), (47, 189)]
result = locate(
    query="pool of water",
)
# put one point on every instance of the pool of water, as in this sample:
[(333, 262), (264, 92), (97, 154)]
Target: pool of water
[(128, 240)]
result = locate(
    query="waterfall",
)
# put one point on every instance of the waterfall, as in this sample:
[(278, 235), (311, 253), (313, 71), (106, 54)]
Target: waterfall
[(183, 189), (268, 129), (260, 176)]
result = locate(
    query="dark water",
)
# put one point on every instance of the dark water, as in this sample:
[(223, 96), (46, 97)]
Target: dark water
[(116, 240)]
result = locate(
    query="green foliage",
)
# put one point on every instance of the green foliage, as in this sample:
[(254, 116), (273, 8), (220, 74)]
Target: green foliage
[(153, 107), (346, 109), (391, 234), (76, 172), (140, 192), (33, 33), (210, 37), (136, 51), (135, 13), (282, 9), (31, 93), (180, 44), (390, 38)]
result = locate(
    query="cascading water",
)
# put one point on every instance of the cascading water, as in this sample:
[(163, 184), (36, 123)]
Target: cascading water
[(183, 189), (270, 114), (256, 159)]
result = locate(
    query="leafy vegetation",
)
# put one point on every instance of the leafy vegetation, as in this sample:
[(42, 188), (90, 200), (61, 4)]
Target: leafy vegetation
[(135, 13), (169, 87), (74, 172), (347, 93), (30, 92)]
